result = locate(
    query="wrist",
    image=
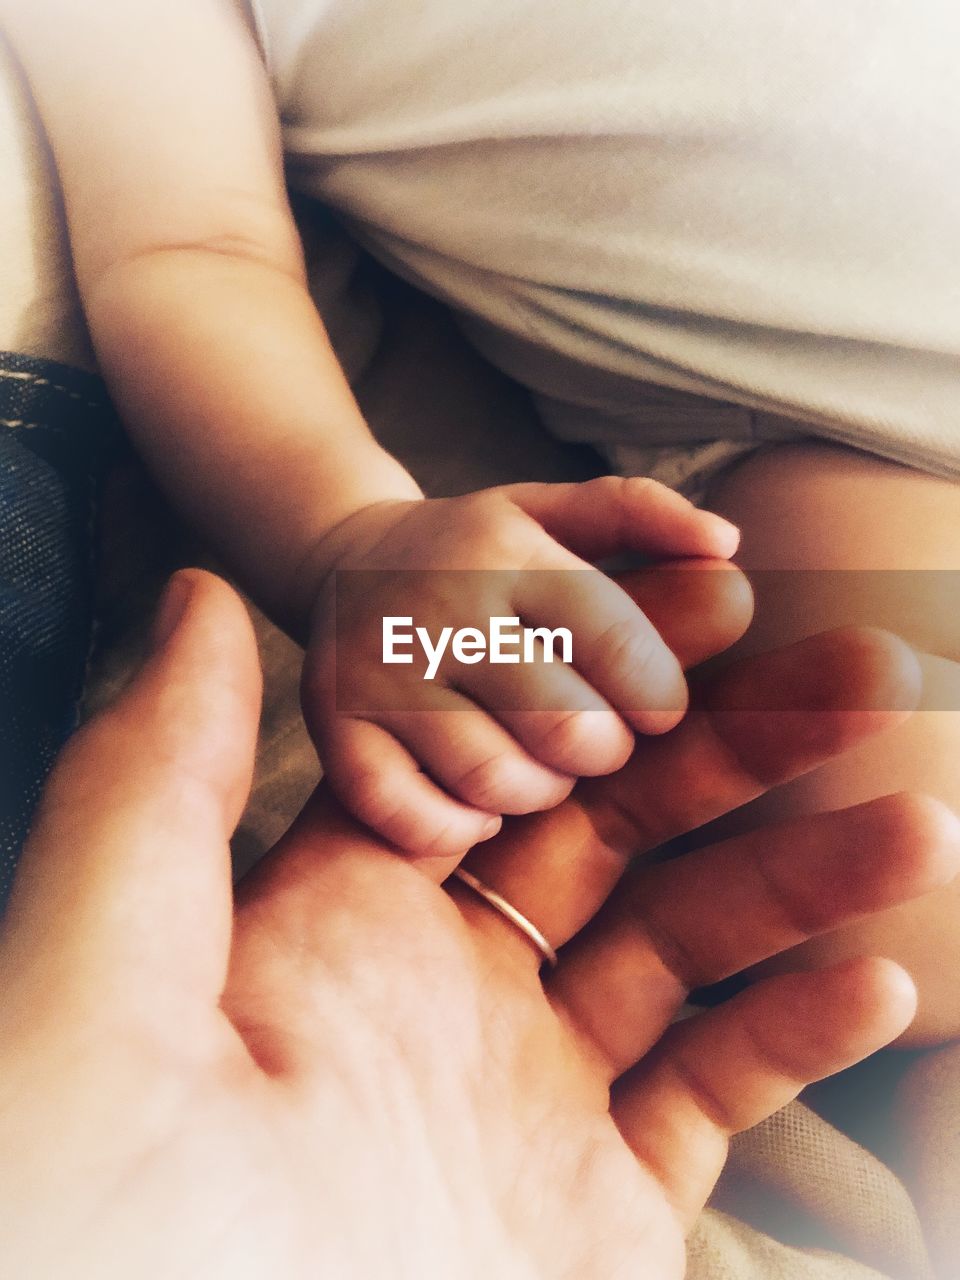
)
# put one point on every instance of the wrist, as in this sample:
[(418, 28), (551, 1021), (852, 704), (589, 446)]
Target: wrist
[(343, 545)]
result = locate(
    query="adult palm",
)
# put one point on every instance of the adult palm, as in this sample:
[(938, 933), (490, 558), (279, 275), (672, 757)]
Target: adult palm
[(353, 1072)]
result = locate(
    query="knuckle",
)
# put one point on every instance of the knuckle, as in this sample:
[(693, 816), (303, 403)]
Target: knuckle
[(490, 784), (554, 789), (385, 800), (801, 908), (491, 526), (627, 490), (628, 486), (371, 794), (441, 840), (679, 956), (717, 1109), (569, 741), (628, 648), (646, 487)]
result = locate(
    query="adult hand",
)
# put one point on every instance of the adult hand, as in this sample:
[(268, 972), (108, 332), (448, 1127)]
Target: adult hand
[(358, 1074)]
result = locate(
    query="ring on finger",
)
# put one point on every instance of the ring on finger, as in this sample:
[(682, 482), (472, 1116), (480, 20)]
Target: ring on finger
[(509, 912)]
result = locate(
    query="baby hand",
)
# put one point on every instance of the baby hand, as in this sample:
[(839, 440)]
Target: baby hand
[(430, 749)]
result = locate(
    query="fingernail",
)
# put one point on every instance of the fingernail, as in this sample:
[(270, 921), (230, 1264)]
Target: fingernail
[(170, 610), (490, 829)]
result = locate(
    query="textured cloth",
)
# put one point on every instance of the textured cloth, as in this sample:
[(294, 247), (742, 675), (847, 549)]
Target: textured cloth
[(822, 1197), (39, 306), (55, 430), (748, 201)]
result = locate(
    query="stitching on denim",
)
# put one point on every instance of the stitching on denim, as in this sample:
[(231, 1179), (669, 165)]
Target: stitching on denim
[(36, 380)]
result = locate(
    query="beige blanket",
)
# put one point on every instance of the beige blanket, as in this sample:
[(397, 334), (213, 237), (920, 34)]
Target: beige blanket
[(800, 1200)]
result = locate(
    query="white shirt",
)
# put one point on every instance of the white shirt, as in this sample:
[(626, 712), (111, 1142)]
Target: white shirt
[(751, 201)]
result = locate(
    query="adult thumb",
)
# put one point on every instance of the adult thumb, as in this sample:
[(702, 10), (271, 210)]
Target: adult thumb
[(124, 891)]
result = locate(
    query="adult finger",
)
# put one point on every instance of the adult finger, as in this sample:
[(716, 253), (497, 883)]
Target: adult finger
[(724, 1071), (612, 514), (615, 647), (755, 724), (699, 607), (127, 871), (752, 726), (693, 921)]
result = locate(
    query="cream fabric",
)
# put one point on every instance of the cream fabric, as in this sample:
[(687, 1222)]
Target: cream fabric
[(754, 202), (39, 308), (816, 1182)]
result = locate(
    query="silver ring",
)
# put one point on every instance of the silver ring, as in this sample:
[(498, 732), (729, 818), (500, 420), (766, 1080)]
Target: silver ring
[(509, 912)]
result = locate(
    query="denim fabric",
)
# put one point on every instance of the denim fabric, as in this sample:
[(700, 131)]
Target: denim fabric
[(57, 433)]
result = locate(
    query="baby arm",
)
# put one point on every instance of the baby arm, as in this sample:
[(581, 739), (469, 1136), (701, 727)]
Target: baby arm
[(167, 143)]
